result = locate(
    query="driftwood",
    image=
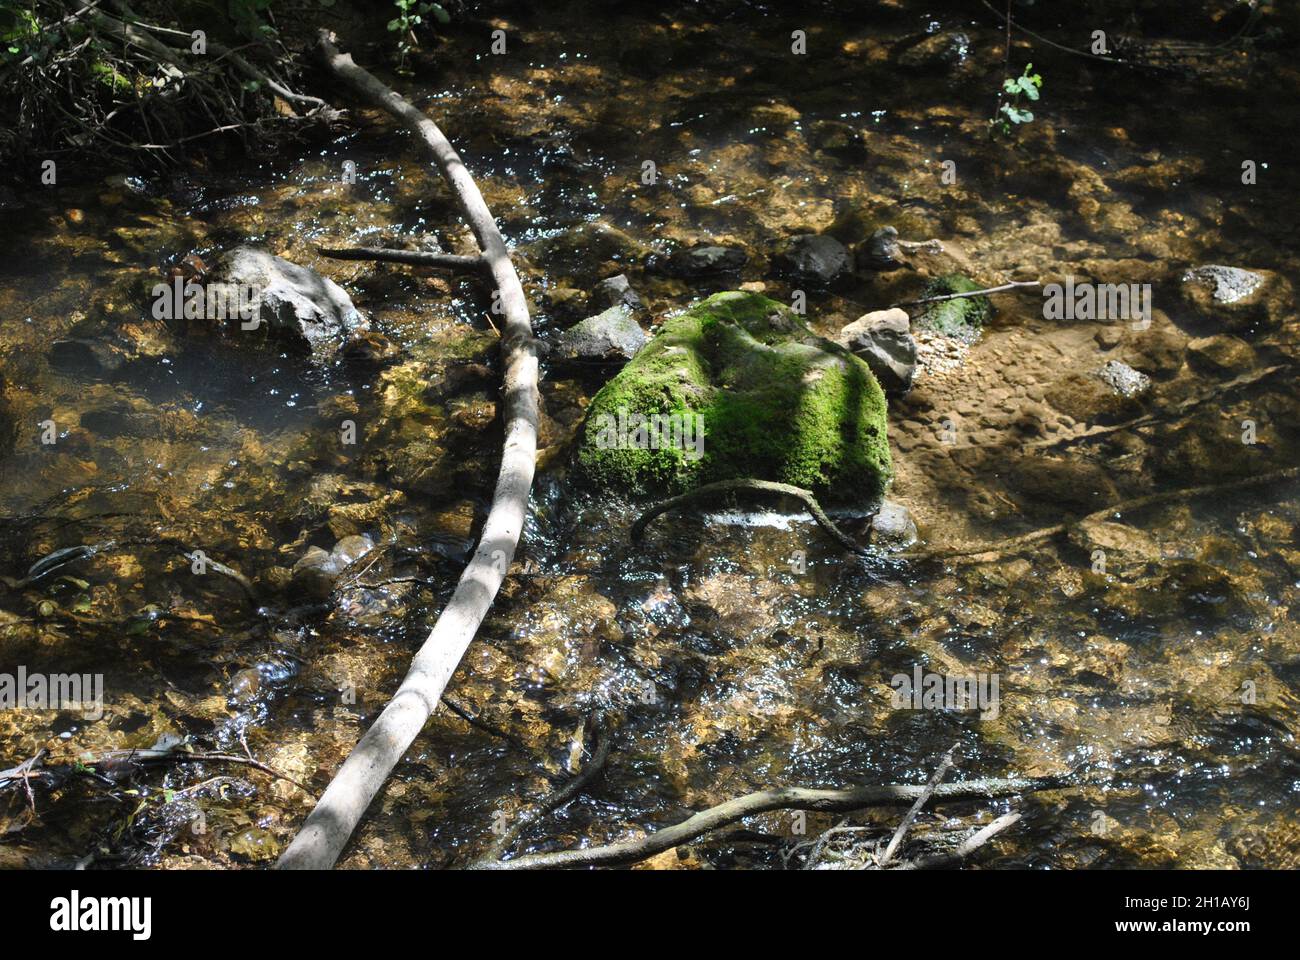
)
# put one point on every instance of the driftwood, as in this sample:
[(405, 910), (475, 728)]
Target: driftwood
[(765, 801), (366, 769), (755, 486)]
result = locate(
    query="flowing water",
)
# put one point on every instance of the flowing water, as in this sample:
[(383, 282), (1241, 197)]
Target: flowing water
[(733, 649)]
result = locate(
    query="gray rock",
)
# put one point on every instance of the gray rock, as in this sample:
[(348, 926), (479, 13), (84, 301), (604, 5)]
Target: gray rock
[(614, 291), (351, 549), (814, 257), (609, 337), (293, 301), (706, 261), (893, 527), (881, 251), (1238, 300), (1225, 284), (1123, 379), (884, 340)]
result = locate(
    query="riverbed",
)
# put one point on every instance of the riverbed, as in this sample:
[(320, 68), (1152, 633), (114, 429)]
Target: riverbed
[(734, 648)]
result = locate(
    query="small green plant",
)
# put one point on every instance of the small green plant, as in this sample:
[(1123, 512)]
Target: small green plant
[(410, 14), (1010, 113)]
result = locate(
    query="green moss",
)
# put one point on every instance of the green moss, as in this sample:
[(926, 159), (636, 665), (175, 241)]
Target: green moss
[(776, 403), (954, 318)]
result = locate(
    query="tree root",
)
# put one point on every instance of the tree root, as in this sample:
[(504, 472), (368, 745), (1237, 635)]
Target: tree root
[(756, 486)]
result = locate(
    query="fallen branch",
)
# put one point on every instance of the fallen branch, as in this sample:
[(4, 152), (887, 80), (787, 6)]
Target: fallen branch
[(452, 261), (757, 486), (765, 801), (366, 769)]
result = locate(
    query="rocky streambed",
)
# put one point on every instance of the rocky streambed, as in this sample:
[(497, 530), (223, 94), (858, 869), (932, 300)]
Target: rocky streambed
[(736, 647)]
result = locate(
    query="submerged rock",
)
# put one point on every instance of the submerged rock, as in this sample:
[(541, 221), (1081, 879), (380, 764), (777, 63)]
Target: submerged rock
[(1123, 379), (295, 302), (1222, 355), (317, 571), (738, 386), (815, 257), (609, 337), (1238, 300), (706, 261), (961, 317), (884, 340), (369, 348), (881, 251), (937, 52)]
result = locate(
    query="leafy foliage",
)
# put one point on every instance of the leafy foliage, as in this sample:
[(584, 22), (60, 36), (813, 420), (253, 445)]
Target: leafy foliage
[(411, 14), (1010, 113)]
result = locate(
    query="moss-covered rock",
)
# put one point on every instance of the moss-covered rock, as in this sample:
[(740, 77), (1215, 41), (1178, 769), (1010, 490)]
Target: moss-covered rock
[(774, 402), (954, 318)]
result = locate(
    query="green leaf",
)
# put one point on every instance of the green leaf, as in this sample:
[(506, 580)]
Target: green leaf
[(1016, 115), (1027, 88), (395, 24), (440, 13)]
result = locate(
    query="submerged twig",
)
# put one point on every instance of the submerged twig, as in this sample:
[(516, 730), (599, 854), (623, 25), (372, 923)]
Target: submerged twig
[(566, 792)]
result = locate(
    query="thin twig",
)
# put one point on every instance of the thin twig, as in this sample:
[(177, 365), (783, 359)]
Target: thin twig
[(1013, 285), (758, 486), (935, 779), (570, 789)]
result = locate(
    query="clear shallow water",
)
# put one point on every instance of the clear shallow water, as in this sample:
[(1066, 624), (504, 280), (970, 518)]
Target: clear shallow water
[(725, 668)]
